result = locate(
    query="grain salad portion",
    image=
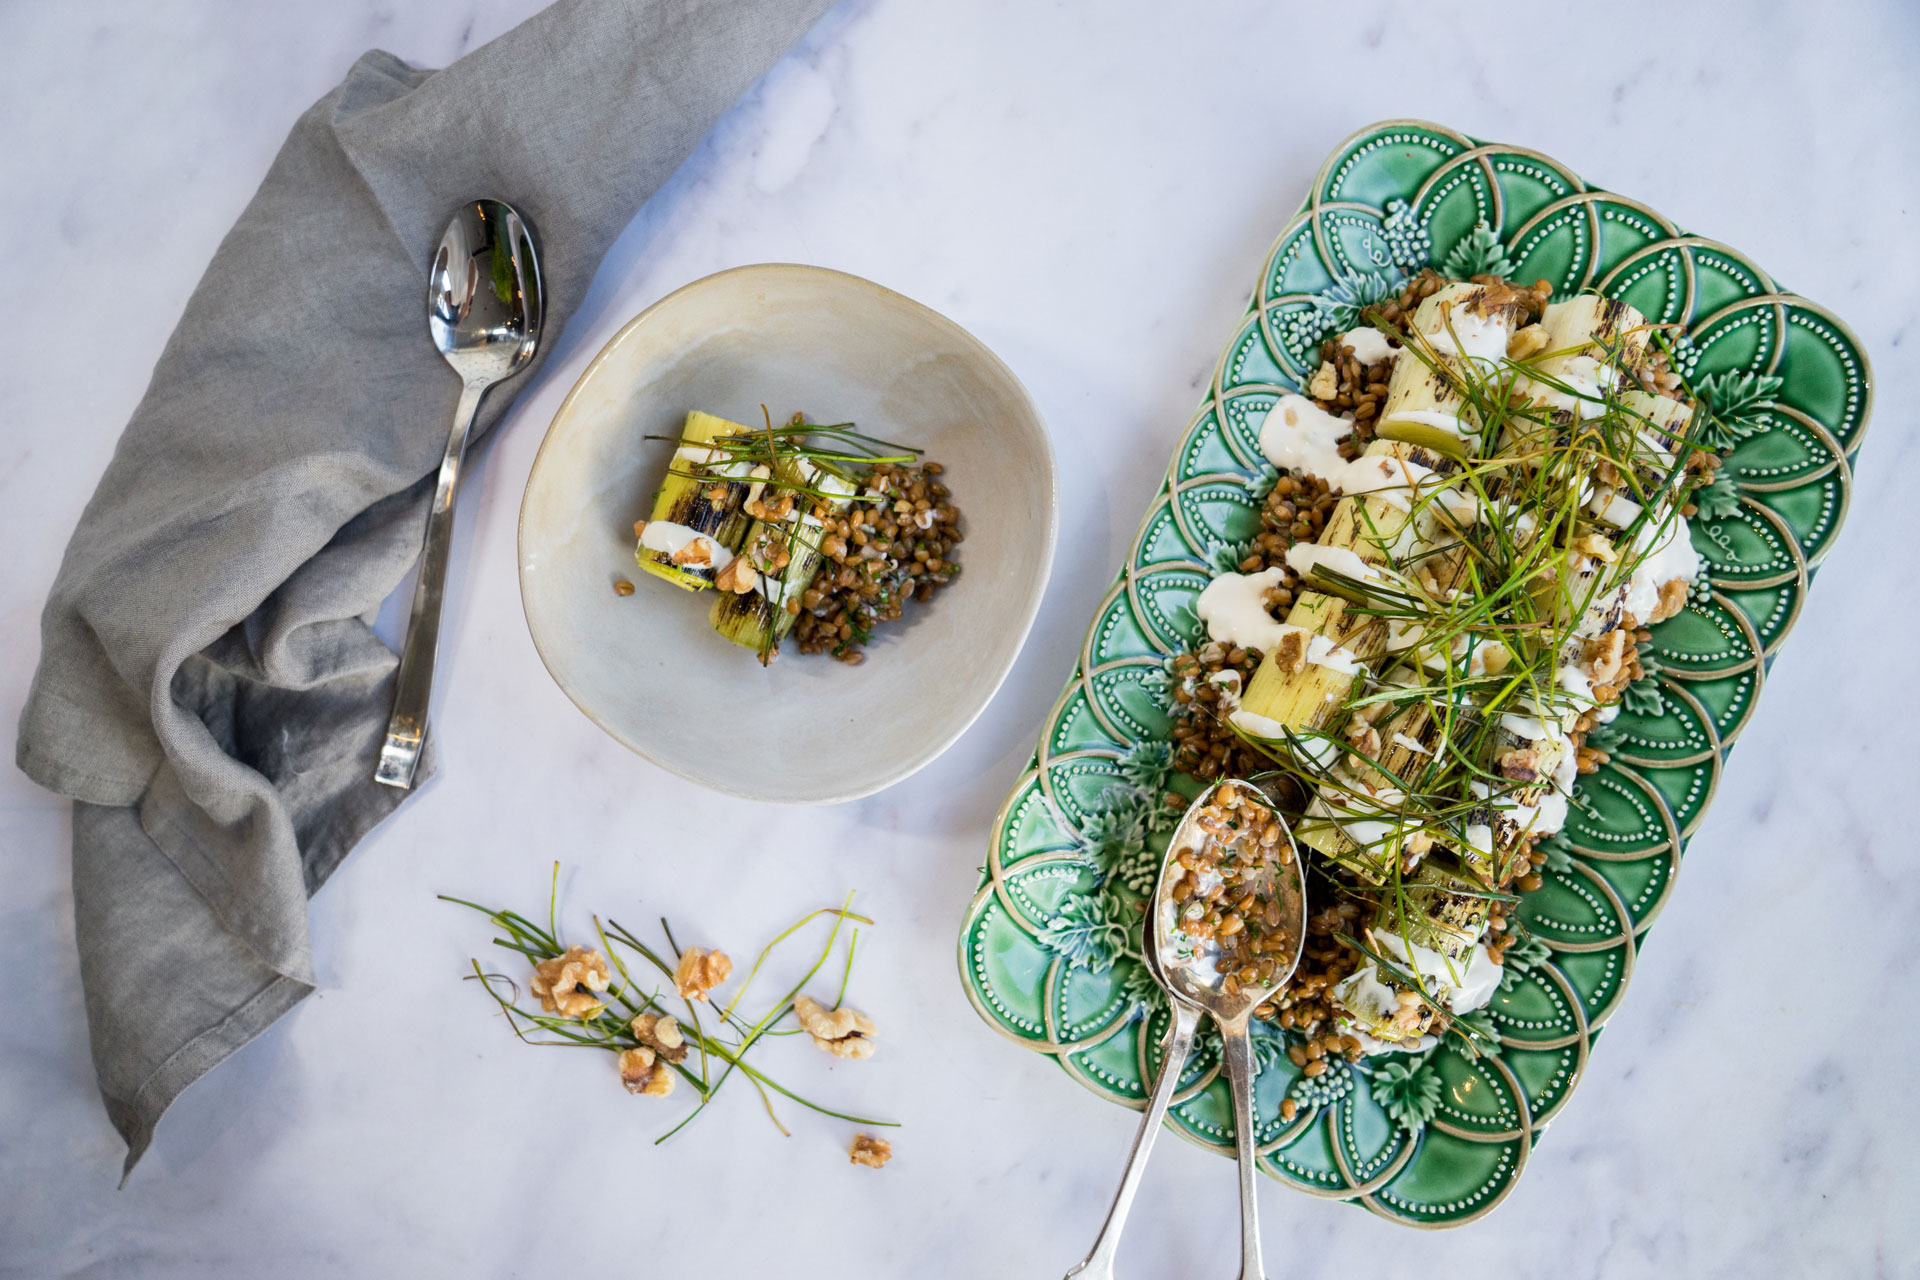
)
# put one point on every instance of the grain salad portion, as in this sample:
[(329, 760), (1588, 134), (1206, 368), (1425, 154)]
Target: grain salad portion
[(813, 531), (1478, 506)]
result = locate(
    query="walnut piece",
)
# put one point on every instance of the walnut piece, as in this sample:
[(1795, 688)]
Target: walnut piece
[(1326, 382), (1608, 656), (699, 972), (698, 551), (661, 1033), (844, 1033), (1522, 764), (1527, 341), (565, 984), (1291, 655), (738, 576), (1416, 846), (642, 1072), (1673, 598), (871, 1152), (1597, 546)]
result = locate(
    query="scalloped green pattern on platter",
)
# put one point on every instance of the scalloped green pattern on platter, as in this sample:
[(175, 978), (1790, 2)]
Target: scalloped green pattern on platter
[(1044, 953)]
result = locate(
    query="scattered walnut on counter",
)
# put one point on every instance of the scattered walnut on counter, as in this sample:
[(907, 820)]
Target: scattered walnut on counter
[(661, 1033), (699, 972), (871, 1152), (844, 1033), (642, 1072), (567, 984)]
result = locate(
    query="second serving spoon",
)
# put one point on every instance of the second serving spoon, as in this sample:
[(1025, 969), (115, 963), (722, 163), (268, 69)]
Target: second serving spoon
[(1186, 965)]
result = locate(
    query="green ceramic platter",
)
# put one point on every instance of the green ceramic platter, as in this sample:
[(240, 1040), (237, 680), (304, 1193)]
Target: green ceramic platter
[(1050, 948)]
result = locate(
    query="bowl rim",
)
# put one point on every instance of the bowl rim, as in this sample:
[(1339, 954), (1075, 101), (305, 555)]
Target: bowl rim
[(909, 764)]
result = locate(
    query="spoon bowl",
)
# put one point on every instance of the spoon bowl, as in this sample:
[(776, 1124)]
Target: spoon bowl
[(1190, 966), (484, 302)]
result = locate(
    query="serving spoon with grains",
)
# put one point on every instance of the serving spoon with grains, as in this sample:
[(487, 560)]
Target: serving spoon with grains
[(1225, 929)]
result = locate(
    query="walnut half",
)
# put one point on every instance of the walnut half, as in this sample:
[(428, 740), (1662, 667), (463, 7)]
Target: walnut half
[(661, 1033), (871, 1152), (844, 1033), (642, 1072), (566, 984), (699, 972), (1673, 598)]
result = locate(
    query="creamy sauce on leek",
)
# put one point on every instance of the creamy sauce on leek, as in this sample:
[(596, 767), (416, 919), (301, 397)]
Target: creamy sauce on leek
[(1234, 607), (668, 538), (1458, 987), (1474, 336), (1300, 436), (1671, 556)]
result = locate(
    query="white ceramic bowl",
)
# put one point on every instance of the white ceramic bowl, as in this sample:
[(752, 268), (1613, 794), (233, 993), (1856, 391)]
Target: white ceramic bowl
[(646, 667)]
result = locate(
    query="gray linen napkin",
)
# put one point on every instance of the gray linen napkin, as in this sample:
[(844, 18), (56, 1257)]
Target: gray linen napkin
[(209, 690)]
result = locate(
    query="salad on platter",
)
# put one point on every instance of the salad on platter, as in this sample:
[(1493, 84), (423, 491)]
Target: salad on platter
[(1478, 506)]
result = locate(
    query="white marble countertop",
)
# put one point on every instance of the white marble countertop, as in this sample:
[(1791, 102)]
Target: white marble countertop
[(1090, 188)]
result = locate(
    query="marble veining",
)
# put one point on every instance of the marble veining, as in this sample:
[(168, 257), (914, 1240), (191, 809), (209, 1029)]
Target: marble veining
[(1088, 188)]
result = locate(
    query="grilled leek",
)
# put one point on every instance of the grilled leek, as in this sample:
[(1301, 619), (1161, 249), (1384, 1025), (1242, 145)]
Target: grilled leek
[(1460, 323), (784, 554), (1576, 334), (1436, 909), (697, 522), (1292, 687)]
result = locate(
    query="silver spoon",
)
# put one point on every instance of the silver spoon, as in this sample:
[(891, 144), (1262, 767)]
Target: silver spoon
[(1192, 979), (484, 307), (1195, 988)]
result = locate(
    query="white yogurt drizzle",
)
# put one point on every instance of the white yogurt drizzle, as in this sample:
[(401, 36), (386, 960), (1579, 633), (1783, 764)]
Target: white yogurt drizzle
[(1589, 379), (1479, 337), (1665, 556), (1369, 345), (668, 538), (1263, 727), (1545, 816), (1234, 608), (1300, 436), (716, 462)]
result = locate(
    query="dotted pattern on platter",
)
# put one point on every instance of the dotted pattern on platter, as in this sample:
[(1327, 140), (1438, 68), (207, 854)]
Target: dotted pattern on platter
[(1630, 822)]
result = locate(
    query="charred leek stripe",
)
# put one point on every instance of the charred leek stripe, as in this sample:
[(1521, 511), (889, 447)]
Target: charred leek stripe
[(1441, 911)]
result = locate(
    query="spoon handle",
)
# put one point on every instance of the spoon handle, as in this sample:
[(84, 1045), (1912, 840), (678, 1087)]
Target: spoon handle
[(413, 688), (1237, 1048), (1099, 1263)]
